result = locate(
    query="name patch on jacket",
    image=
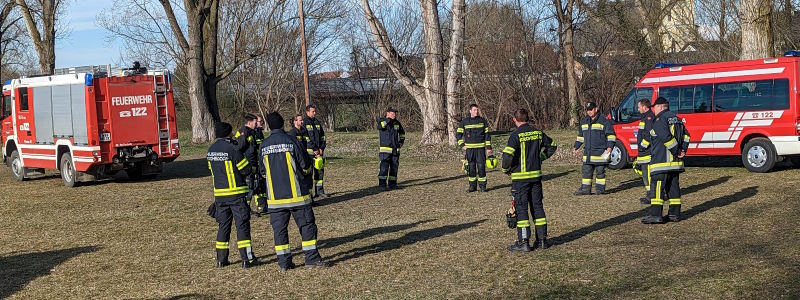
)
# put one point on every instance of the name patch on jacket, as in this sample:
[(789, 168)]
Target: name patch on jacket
[(217, 156), (530, 136), (674, 120), (279, 148)]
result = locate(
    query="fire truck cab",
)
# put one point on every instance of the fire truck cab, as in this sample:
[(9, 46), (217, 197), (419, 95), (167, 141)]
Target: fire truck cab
[(741, 108), (89, 123)]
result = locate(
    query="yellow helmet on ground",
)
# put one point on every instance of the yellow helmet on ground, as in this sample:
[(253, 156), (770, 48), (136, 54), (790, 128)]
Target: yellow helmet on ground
[(491, 162), (319, 162)]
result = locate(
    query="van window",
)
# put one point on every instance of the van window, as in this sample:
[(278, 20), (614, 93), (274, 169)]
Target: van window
[(23, 99), (6, 106), (686, 102), (702, 98), (752, 95), (672, 94), (629, 110)]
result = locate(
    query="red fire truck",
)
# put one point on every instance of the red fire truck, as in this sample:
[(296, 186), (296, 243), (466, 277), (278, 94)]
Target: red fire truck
[(741, 108), (89, 123)]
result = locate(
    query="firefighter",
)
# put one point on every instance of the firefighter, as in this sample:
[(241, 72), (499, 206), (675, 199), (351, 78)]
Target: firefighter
[(473, 137), (246, 140), (392, 136), (643, 142), (258, 198), (670, 141), (316, 146), (284, 162), (597, 137), (299, 132), (522, 159), (228, 169)]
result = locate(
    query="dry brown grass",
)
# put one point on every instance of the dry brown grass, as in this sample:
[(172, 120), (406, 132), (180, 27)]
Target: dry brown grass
[(430, 239)]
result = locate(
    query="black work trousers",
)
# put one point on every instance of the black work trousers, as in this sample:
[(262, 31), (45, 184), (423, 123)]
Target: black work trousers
[(528, 195), (233, 210), (598, 172), (304, 218), (387, 175), (476, 171), (665, 187)]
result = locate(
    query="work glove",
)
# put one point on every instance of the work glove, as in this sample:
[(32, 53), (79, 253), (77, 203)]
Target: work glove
[(212, 210)]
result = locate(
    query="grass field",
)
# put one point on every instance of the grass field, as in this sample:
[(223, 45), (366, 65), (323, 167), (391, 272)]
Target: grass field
[(430, 239)]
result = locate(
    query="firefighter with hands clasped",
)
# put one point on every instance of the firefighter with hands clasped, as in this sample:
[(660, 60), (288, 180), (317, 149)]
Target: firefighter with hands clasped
[(228, 170), (392, 136), (316, 147), (522, 159), (670, 141), (596, 134), (473, 137), (284, 163)]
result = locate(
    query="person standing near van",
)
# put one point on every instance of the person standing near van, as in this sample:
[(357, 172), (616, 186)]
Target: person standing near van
[(597, 136)]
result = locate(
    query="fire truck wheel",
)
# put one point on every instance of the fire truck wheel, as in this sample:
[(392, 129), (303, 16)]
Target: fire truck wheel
[(67, 170), (15, 163), (758, 155), (619, 157)]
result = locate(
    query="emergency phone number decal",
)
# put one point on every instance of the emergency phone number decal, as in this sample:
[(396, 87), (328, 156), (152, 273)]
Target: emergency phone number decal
[(134, 112)]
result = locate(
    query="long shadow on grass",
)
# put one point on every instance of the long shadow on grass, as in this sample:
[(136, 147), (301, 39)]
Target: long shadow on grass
[(19, 270), (405, 240), (372, 190), (702, 186), (627, 185), (368, 233), (546, 177), (705, 206)]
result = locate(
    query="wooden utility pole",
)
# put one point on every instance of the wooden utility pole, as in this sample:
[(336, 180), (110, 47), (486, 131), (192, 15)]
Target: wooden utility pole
[(303, 50)]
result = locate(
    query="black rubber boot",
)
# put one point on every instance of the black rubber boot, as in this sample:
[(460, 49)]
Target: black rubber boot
[(644, 200), (519, 246), (248, 260), (288, 267), (222, 258), (583, 191), (652, 220), (318, 264), (542, 244)]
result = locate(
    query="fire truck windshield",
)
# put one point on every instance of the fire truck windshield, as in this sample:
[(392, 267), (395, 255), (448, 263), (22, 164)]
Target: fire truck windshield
[(6, 107)]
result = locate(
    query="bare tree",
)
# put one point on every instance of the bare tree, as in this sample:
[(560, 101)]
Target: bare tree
[(564, 11), (191, 42), (41, 18), (455, 70), (428, 92), (755, 18)]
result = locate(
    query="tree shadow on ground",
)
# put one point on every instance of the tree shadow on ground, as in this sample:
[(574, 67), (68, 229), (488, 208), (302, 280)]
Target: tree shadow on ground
[(618, 220), (18, 270), (373, 190), (624, 186), (405, 240), (546, 177)]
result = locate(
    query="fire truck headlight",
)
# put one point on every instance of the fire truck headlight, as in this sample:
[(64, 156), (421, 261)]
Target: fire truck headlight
[(96, 153)]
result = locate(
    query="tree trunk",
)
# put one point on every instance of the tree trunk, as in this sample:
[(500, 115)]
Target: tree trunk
[(429, 93), (757, 41), (566, 24), (45, 41), (455, 69)]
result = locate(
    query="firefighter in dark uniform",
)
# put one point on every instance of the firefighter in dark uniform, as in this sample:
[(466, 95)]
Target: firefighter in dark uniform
[(596, 134), (670, 141), (246, 140), (228, 169), (284, 162), (316, 146), (258, 198), (522, 159), (643, 145), (392, 136), (299, 132), (473, 137)]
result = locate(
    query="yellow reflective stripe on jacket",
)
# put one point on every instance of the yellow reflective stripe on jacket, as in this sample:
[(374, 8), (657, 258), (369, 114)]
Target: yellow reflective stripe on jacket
[(671, 143), (611, 137), (475, 145), (666, 166), (229, 173), (472, 126), (292, 176), (594, 158), (460, 142), (231, 191), (488, 143), (585, 126), (685, 138), (293, 200), (526, 175), (242, 164), (641, 124), (309, 127), (523, 165), (597, 126), (386, 150), (644, 159), (579, 139), (645, 144), (460, 130), (509, 150), (383, 124)]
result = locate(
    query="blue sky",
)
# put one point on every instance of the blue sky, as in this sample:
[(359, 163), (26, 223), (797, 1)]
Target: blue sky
[(86, 44)]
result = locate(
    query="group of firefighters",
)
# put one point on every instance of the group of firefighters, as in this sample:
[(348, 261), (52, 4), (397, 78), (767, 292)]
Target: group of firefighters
[(283, 173)]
